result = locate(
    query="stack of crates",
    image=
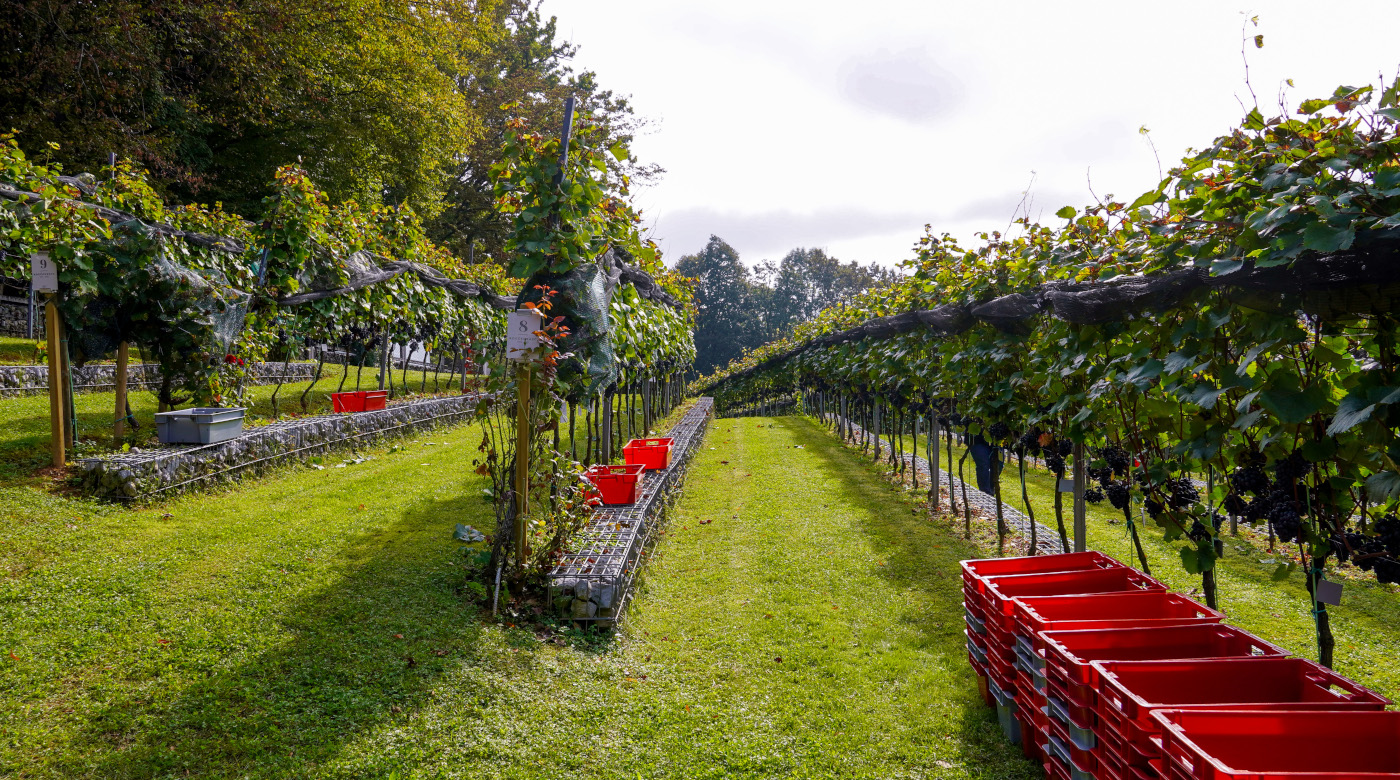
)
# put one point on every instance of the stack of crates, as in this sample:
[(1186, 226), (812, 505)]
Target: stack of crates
[(1100, 673), (988, 589), (1129, 692), (1072, 680)]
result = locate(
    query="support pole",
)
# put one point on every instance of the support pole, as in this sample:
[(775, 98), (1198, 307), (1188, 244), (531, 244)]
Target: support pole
[(70, 414), (58, 410), (119, 425), (384, 361), (933, 459), (522, 463), (1080, 543)]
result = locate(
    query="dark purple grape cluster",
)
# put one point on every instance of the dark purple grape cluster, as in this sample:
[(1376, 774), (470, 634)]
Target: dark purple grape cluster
[(998, 432), (1064, 447), (1154, 508), (1117, 459), (1182, 492), (1056, 463), (1284, 517), (1388, 532), (1029, 442), (1235, 505), (1117, 493), (1290, 469), (1093, 495)]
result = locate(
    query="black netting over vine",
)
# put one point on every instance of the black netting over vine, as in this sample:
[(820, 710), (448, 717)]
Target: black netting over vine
[(197, 300), (583, 300), (1361, 281)]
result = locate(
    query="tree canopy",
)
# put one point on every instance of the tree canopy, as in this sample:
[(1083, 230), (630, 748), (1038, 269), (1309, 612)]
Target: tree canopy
[(741, 309)]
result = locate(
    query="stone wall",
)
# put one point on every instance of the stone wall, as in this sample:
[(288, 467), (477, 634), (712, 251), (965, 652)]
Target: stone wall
[(145, 474), (594, 582), (102, 377), (14, 320)]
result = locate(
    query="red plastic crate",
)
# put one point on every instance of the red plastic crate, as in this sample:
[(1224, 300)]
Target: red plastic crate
[(976, 569), (359, 400), (618, 484), (1279, 745), (1130, 690), (347, 402), (998, 591), (375, 399), (1068, 653), (1109, 610), (654, 454)]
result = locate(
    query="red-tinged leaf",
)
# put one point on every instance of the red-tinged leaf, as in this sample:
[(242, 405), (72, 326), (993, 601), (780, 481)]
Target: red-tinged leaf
[(398, 636)]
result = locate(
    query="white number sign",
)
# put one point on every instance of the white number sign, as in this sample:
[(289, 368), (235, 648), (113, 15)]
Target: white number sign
[(43, 273), (520, 332)]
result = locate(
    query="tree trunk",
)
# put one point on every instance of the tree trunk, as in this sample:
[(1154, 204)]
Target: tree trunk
[(320, 364), (119, 417), (1025, 497)]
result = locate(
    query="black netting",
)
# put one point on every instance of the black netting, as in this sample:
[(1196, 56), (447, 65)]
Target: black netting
[(583, 299), (1362, 281)]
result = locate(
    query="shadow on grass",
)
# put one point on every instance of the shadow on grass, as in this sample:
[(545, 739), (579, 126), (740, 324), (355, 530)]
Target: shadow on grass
[(362, 651), (921, 555)]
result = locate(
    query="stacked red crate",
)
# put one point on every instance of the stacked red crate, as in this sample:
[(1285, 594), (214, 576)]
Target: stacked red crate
[(1071, 680), (1278, 744), (1130, 691), (1064, 758)]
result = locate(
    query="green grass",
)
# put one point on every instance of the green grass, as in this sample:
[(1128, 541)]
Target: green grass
[(16, 351), (1366, 626), (24, 421), (800, 619)]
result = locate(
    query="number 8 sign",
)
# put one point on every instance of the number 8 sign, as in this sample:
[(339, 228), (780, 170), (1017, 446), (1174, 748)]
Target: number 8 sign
[(520, 332)]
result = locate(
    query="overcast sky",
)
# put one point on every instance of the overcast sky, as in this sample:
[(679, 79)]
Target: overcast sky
[(850, 125)]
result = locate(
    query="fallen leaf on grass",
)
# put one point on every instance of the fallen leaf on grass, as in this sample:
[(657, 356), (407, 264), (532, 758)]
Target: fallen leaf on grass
[(398, 636), (777, 659), (768, 615), (440, 653)]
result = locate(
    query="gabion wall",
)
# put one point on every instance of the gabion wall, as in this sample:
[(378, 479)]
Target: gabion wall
[(595, 580), (102, 378), (144, 474)]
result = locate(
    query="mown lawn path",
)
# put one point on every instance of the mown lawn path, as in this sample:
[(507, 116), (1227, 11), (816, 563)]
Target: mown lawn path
[(799, 619)]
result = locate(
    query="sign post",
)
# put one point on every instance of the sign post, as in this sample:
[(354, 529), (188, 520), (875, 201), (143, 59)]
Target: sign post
[(521, 337), (43, 276)]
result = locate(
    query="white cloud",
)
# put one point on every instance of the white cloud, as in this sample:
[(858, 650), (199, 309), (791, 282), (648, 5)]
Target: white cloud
[(908, 84), (789, 123)]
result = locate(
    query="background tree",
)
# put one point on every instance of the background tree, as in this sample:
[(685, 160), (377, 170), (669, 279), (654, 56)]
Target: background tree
[(742, 309), (525, 77), (809, 280)]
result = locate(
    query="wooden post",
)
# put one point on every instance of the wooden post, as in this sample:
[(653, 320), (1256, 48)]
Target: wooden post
[(1080, 543), (119, 425), (383, 361), (605, 423), (522, 462), (70, 414), (58, 410), (933, 459)]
